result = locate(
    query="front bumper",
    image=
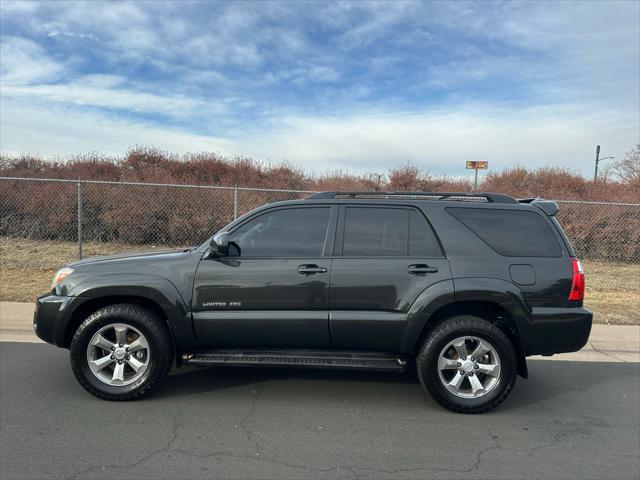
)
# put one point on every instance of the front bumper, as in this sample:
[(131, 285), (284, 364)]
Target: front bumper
[(50, 318), (557, 330)]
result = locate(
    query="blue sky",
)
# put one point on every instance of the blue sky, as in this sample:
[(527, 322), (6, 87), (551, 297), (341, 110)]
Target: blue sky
[(353, 85)]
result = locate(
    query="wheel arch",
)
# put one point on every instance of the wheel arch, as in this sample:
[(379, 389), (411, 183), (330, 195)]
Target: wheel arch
[(152, 291), (91, 305), (493, 312)]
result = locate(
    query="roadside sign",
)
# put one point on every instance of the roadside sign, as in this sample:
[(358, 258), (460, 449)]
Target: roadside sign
[(477, 164)]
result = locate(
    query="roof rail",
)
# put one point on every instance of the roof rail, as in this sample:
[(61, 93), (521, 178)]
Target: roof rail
[(462, 196)]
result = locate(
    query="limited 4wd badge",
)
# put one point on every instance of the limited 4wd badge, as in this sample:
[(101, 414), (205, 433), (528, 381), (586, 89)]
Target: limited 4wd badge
[(221, 304)]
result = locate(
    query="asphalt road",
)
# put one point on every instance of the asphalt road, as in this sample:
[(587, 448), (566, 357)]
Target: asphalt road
[(569, 420)]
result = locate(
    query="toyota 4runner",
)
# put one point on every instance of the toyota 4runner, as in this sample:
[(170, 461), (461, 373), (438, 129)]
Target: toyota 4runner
[(464, 285)]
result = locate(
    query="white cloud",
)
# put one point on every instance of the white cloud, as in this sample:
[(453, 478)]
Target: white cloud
[(108, 91), (367, 22), (58, 130), (18, 7), (586, 50), (59, 33), (439, 142), (25, 62), (322, 73)]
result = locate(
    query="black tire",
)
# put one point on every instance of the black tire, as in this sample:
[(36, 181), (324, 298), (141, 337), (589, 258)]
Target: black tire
[(154, 330), (437, 340)]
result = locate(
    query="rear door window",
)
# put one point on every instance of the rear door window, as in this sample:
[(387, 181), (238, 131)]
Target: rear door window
[(512, 233), (375, 232), (387, 232)]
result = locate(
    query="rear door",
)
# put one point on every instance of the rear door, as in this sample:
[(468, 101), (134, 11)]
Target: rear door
[(385, 257), (273, 288)]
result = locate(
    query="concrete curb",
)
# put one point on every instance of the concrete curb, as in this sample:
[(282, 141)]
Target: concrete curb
[(607, 343)]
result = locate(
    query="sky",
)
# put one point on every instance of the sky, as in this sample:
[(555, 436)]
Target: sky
[(358, 86)]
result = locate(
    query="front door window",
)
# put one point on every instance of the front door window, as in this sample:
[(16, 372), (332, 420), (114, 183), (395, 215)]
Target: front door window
[(292, 232)]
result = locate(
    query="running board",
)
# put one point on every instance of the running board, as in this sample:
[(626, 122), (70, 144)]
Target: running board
[(299, 358)]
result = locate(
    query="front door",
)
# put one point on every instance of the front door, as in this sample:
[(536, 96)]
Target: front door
[(385, 257), (272, 290)]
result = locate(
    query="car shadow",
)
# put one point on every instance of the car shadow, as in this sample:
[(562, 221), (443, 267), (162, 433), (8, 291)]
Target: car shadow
[(190, 380), (547, 379), (35, 369)]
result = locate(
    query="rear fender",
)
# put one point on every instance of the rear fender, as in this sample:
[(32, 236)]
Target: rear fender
[(452, 293), (428, 302), (508, 296), (500, 292)]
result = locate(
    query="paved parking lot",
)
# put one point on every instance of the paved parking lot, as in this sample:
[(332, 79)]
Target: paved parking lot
[(569, 420)]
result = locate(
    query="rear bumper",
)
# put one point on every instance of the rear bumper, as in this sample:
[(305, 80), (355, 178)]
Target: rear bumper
[(557, 330), (50, 318)]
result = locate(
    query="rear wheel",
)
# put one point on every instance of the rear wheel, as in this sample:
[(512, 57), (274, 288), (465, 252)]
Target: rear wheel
[(467, 364), (120, 352)]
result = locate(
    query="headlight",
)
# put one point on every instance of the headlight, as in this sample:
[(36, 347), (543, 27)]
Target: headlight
[(61, 275)]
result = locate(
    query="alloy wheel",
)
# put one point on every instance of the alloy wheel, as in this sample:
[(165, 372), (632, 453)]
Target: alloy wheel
[(118, 354), (469, 367)]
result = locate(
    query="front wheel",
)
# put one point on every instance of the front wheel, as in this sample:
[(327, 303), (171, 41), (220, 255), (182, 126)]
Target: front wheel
[(120, 352), (467, 365)]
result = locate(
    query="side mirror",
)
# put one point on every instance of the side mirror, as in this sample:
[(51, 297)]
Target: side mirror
[(219, 246)]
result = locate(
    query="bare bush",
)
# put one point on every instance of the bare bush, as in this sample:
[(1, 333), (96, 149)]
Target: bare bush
[(628, 169), (163, 215)]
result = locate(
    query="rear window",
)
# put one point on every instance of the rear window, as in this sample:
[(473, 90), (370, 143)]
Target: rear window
[(513, 233)]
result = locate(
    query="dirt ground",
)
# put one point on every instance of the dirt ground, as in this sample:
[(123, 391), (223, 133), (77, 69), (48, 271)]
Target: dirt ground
[(27, 266)]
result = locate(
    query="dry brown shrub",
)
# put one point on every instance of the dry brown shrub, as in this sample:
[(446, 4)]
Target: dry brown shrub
[(178, 216)]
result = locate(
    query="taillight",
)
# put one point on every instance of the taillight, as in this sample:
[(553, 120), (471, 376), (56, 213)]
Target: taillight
[(577, 286)]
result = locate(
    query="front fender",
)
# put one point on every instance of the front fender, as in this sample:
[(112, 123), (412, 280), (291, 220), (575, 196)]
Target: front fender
[(153, 288)]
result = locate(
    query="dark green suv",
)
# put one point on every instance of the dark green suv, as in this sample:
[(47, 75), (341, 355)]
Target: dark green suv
[(464, 285)]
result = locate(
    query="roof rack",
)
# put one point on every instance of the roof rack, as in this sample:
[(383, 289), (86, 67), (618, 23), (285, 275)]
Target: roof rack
[(459, 196)]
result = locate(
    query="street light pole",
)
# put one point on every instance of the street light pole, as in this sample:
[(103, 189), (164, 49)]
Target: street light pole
[(598, 160)]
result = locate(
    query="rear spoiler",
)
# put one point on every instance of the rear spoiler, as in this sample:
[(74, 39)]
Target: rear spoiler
[(547, 206)]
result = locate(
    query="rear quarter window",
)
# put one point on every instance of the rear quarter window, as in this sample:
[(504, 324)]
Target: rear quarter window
[(512, 233)]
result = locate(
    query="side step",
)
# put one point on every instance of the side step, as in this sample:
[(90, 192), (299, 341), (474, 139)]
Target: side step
[(299, 358)]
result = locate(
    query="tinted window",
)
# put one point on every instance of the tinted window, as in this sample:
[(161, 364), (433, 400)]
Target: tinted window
[(514, 233), (422, 241), (295, 232), (383, 232), (375, 232)]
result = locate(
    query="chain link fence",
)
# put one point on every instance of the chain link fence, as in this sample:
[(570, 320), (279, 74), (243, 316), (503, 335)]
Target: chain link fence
[(95, 217), (606, 231)]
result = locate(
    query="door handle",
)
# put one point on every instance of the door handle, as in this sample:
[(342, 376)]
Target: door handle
[(310, 269), (421, 269)]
